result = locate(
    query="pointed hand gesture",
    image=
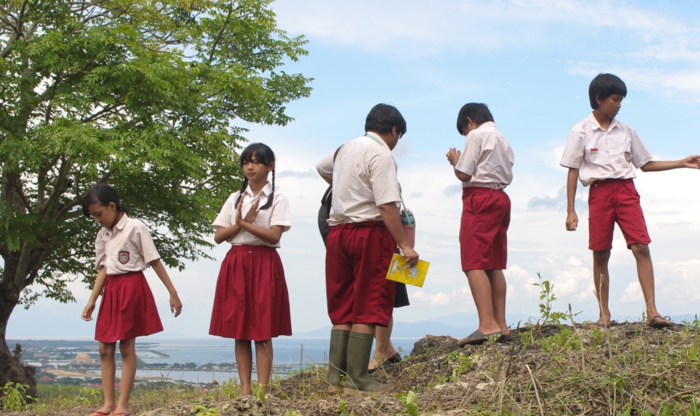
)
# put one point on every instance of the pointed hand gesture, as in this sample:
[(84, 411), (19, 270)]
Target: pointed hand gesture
[(250, 215)]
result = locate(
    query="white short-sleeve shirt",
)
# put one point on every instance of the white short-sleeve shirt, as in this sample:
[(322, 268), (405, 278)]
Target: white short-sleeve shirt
[(600, 154), (364, 176), (127, 247), (487, 158), (277, 214)]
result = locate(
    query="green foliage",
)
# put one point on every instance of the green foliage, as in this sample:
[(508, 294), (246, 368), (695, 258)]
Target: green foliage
[(547, 298), (461, 363), (144, 95), (13, 396), (260, 394), (205, 411), (149, 96), (409, 399), (344, 408)]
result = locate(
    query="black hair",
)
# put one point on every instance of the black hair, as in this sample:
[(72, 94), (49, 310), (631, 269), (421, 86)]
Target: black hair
[(103, 194), (603, 86), (479, 113), (382, 118), (262, 154)]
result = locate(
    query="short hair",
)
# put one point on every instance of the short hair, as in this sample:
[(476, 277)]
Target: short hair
[(382, 118), (102, 194), (479, 113), (603, 86)]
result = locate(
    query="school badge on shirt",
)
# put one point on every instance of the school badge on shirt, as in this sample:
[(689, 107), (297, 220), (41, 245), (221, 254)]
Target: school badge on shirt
[(123, 257)]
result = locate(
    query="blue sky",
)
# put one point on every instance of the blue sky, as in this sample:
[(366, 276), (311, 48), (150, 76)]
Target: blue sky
[(531, 62)]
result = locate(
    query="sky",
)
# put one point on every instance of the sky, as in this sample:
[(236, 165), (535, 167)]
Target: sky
[(531, 62)]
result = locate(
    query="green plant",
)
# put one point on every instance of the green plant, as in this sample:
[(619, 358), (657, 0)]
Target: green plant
[(547, 298), (409, 399), (460, 363), (205, 411), (14, 396), (291, 413), (260, 394), (344, 409)]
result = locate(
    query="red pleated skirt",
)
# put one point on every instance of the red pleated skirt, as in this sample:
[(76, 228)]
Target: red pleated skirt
[(251, 301), (127, 310)]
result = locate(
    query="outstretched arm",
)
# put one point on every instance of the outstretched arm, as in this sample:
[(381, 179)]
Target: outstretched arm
[(571, 217), (175, 303), (691, 162)]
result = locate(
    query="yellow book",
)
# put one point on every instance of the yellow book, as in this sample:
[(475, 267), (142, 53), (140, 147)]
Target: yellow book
[(399, 271)]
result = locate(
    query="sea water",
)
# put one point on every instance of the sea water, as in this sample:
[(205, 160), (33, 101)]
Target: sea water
[(291, 354)]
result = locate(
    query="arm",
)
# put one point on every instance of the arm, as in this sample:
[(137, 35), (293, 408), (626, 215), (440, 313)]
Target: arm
[(96, 290), (226, 233), (571, 217), (175, 304), (691, 162), (271, 235), (392, 220), (453, 156)]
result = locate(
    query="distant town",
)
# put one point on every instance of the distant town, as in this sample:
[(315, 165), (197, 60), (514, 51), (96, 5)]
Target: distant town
[(78, 363)]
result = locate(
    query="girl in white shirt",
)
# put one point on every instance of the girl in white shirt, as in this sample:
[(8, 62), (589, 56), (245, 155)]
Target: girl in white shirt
[(123, 249), (251, 303)]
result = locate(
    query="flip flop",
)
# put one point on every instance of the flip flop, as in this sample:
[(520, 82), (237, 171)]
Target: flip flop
[(659, 322), (394, 359), (477, 338), (100, 413)]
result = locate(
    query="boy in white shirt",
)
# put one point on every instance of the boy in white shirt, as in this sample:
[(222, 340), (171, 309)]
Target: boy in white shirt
[(604, 153)]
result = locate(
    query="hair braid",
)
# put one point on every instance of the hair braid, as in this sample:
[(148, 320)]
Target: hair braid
[(240, 193), (272, 194)]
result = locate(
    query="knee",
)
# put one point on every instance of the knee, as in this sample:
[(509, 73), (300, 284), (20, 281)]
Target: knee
[(106, 351), (601, 257), (640, 250), (127, 350)]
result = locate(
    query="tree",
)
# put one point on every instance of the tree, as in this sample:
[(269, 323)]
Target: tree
[(146, 95)]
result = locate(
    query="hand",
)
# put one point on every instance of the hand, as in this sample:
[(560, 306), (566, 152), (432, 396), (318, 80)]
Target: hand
[(175, 304), (453, 156), (250, 216), (571, 221), (87, 312), (410, 254), (692, 162)]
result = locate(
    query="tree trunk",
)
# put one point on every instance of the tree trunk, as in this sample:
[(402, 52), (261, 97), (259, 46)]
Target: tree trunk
[(11, 367)]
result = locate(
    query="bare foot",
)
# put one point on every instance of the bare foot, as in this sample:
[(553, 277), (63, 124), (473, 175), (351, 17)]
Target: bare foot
[(658, 321)]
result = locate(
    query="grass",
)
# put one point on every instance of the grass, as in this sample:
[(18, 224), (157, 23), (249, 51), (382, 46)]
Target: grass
[(548, 368)]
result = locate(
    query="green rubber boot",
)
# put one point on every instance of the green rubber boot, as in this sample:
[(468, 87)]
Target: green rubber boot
[(337, 359), (359, 352)]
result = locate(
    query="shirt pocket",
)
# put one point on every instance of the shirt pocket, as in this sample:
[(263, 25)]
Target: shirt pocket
[(619, 154)]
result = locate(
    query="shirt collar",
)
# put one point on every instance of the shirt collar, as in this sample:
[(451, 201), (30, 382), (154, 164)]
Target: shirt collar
[(119, 226), (375, 138), (266, 190)]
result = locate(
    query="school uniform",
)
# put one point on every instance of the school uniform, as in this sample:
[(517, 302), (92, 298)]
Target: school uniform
[(488, 159), (251, 300), (128, 309), (360, 247), (607, 162)]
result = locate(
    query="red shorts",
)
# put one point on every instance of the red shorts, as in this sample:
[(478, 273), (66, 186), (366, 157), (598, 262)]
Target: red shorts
[(127, 310), (357, 259), (611, 201), (483, 236)]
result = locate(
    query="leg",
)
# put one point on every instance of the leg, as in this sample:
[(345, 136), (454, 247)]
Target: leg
[(108, 367), (601, 280), (244, 362), (645, 273), (384, 349), (263, 362), (128, 350), (480, 286), (498, 298)]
